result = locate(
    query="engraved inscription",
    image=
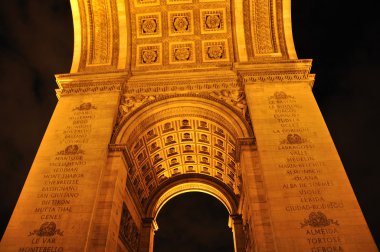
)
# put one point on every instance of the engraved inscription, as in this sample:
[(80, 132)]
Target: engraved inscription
[(305, 179), (62, 178)]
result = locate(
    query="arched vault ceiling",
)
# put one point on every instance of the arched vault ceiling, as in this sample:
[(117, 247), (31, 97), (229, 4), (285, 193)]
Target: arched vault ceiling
[(156, 35), (180, 146), (181, 136)]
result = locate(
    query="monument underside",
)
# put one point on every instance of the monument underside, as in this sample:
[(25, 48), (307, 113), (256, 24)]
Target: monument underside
[(173, 96)]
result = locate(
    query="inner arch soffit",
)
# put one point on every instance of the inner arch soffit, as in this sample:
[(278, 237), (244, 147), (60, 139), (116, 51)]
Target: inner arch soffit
[(191, 184)]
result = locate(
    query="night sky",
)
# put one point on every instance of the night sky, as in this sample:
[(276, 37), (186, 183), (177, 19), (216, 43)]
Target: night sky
[(342, 38)]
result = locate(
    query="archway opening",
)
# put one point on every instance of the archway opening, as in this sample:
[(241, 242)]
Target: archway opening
[(192, 222)]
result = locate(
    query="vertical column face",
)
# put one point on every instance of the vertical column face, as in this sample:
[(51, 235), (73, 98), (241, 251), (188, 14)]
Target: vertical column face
[(312, 205), (55, 208)]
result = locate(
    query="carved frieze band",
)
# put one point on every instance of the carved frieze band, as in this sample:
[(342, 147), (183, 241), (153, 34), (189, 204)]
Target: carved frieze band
[(100, 32), (232, 98), (263, 27), (277, 77), (88, 88), (191, 82), (168, 87), (80, 84)]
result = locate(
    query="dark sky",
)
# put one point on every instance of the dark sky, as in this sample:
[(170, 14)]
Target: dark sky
[(196, 228), (343, 38)]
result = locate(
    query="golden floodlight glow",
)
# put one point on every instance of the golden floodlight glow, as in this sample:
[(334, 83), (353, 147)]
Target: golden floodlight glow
[(167, 97), (187, 187)]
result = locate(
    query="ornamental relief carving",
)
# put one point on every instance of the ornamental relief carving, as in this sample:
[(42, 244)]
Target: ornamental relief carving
[(170, 25), (181, 23), (88, 88), (144, 3), (128, 231), (130, 103), (264, 31), (100, 32), (150, 54), (215, 51), (281, 77), (182, 53), (179, 2), (235, 98), (171, 21), (213, 21), (149, 25)]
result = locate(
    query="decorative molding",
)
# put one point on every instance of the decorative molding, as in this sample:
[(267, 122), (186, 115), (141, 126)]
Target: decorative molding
[(251, 141), (145, 3), (182, 52), (128, 231), (97, 30), (247, 29), (123, 119), (148, 25), (130, 103), (171, 83), (236, 98), (246, 141), (191, 182), (277, 77), (80, 84), (123, 149), (100, 32), (263, 28), (287, 71), (172, 88), (88, 88), (181, 23), (204, 31), (233, 97), (149, 54), (213, 20), (215, 50)]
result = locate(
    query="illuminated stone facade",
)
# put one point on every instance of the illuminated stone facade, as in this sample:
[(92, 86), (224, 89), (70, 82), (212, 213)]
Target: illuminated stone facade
[(172, 96)]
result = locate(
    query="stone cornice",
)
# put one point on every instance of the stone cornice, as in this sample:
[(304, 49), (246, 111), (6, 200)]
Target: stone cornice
[(280, 72), (174, 83), (123, 149), (249, 141), (284, 65), (79, 84)]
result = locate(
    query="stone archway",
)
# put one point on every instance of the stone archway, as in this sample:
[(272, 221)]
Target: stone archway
[(132, 74), (175, 145), (193, 221), (175, 136), (195, 183)]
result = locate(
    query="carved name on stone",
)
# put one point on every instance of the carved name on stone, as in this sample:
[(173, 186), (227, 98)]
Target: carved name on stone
[(304, 172), (61, 180)]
